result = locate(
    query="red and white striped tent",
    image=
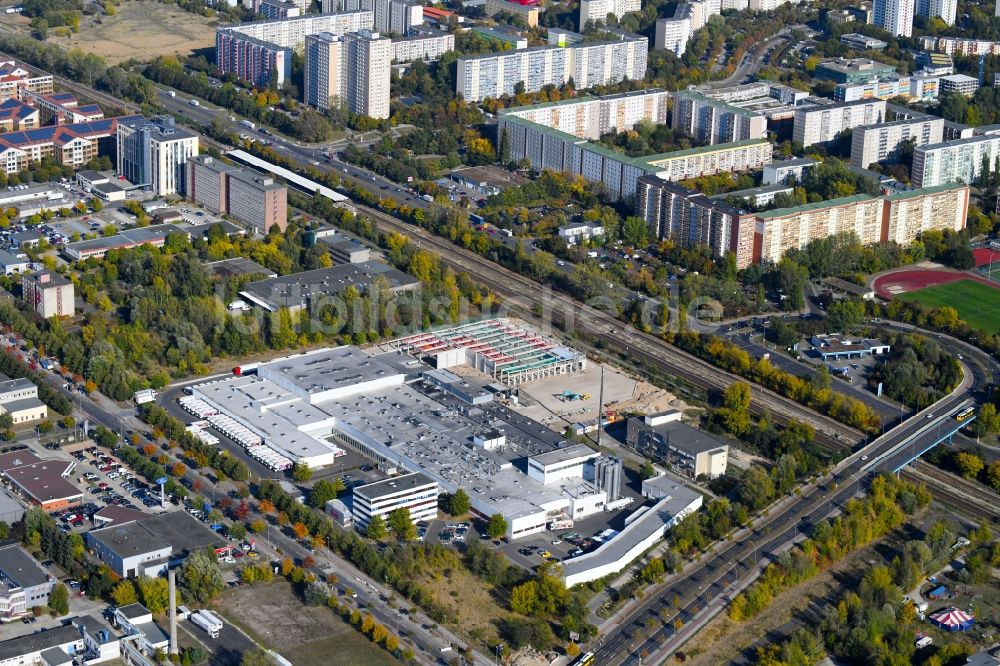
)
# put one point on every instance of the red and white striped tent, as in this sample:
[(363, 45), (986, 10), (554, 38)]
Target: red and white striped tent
[(952, 619)]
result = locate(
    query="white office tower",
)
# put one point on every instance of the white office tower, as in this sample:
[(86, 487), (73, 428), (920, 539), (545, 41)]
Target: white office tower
[(942, 9), (152, 153), (895, 16), (598, 10), (353, 68)]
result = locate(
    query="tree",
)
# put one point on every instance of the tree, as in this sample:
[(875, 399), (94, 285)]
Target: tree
[(635, 232), (324, 491), (736, 408), (258, 657), (401, 524), (301, 472), (497, 526), (59, 599), (969, 464), (459, 503), (237, 531), (524, 598), (376, 528), (155, 593), (124, 593), (201, 576)]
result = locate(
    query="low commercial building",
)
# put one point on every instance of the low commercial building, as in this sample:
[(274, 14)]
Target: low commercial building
[(854, 40), (853, 70), (580, 232), (150, 545), (41, 482), (502, 34), (834, 347), (136, 620), (23, 583), (236, 266), (155, 235), (783, 171), (758, 197), (487, 180), (309, 289), (19, 398), (527, 10), (12, 263), (345, 250), (49, 294), (825, 123), (688, 451), (52, 647), (11, 510), (415, 492), (960, 83)]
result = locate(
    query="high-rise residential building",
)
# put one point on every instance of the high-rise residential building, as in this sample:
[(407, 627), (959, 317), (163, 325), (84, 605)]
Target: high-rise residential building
[(261, 52), (942, 9), (152, 153), (690, 218), (963, 84), (588, 64), (960, 160), (397, 17), (593, 117), (894, 16), (14, 77), (673, 34), (422, 45), (711, 121), (765, 5), (255, 200), (598, 10), (900, 217), (49, 294), (278, 9), (820, 124), (874, 143), (353, 69), (916, 87)]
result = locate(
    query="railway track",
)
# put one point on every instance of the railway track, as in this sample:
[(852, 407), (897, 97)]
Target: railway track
[(955, 491)]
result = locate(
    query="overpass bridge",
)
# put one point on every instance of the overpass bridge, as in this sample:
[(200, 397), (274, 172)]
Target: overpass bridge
[(938, 427)]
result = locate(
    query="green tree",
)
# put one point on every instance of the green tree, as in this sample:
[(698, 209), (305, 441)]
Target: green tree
[(401, 524), (736, 408), (301, 472), (59, 599), (124, 593), (969, 464), (635, 232), (459, 503), (376, 528), (201, 576), (155, 593), (258, 657), (524, 598), (323, 491), (497, 526)]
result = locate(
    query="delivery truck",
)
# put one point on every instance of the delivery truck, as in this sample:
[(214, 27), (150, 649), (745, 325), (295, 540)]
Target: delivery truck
[(208, 621)]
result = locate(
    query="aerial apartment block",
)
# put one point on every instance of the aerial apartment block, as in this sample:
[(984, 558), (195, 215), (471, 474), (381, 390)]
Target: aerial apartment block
[(822, 124), (960, 46), (593, 117), (14, 78), (673, 34), (598, 10), (261, 52), (395, 17), (422, 45), (921, 87), (255, 200), (960, 160), (588, 64), (710, 121), (874, 143), (894, 16), (71, 145), (49, 294), (353, 68), (942, 9), (152, 152)]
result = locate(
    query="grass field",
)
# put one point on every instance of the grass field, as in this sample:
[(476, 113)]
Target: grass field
[(978, 304), (272, 615), (142, 29)]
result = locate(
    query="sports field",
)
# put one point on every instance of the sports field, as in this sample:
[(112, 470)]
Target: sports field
[(977, 303)]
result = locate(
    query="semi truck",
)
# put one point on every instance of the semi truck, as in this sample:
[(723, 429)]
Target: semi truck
[(246, 369), (248, 124), (208, 621)]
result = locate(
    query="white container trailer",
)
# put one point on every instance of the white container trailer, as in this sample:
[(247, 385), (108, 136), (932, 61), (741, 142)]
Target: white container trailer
[(208, 621)]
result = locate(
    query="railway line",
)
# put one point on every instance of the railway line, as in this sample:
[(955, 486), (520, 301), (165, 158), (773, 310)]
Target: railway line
[(955, 491)]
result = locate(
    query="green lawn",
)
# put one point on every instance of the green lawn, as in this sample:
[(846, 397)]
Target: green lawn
[(978, 304)]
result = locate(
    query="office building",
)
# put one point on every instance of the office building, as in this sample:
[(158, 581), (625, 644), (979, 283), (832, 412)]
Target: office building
[(353, 69), (959, 83), (261, 52), (959, 160), (822, 124), (580, 232), (415, 492), (593, 117), (422, 45), (894, 16), (14, 78), (588, 64), (862, 42), (673, 34), (152, 153), (148, 546), (155, 235), (23, 582), (874, 143), (49, 294), (255, 200), (942, 9), (207, 182), (710, 121), (19, 399), (526, 10), (664, 438), (396, 17), (689, 218), (854, 70), (900, 217), (919, 87), (344, 249), (598, 10)]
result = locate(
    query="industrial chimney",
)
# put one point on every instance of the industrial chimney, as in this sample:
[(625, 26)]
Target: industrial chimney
[(172, 587)]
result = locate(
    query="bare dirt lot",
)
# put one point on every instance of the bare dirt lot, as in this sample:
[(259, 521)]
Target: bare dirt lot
[(305, 636), (142, 30)]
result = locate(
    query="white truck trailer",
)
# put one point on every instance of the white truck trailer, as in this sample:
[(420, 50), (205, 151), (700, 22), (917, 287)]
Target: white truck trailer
[(208, 621)]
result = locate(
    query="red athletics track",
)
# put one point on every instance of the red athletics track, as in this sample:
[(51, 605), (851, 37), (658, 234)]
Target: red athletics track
[(984, 256), (900, 282)]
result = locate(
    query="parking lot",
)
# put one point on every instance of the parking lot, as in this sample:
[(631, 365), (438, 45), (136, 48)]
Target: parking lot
[(109, 482)]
